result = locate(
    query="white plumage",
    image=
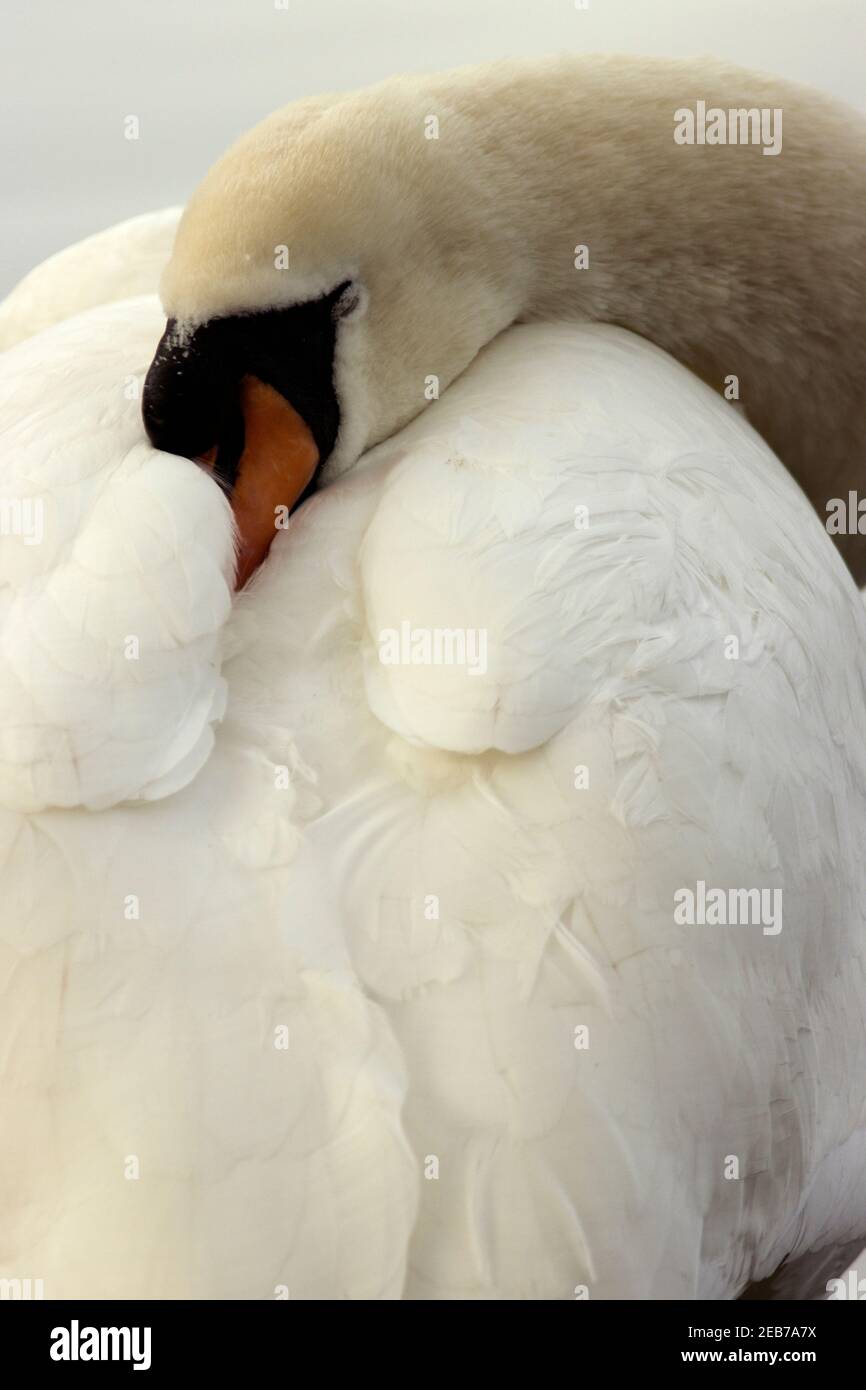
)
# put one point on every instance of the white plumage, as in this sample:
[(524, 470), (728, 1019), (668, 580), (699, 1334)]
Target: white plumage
[(117, 263), (197, 1098), (402, 864)]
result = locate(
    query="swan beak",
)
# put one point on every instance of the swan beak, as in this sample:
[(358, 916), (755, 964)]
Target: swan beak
[(276, 467)]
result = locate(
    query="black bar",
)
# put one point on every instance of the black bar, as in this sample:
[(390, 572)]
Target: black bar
[(232, 1339)]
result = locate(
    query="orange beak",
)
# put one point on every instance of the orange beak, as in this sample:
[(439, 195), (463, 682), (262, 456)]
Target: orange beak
[(277, 464)]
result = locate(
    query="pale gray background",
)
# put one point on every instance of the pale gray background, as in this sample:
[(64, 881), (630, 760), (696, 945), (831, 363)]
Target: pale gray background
[(197, 72)]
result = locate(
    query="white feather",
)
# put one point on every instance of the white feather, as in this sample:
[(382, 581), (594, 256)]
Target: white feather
[(396, 863)]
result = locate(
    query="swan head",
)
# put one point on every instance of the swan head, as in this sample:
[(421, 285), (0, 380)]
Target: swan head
[(322, 270)]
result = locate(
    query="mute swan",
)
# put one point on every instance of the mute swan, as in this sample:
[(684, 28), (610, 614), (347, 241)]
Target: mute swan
[(450, 889), (356, 251)]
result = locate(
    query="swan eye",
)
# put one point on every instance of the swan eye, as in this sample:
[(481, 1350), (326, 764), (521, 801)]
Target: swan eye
[(352, 302)]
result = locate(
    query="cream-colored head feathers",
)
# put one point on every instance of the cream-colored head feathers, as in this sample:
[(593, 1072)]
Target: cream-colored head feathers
[(456, 203)]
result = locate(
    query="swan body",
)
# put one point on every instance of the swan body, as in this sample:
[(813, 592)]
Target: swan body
[(117, 263), (509, 1071)]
